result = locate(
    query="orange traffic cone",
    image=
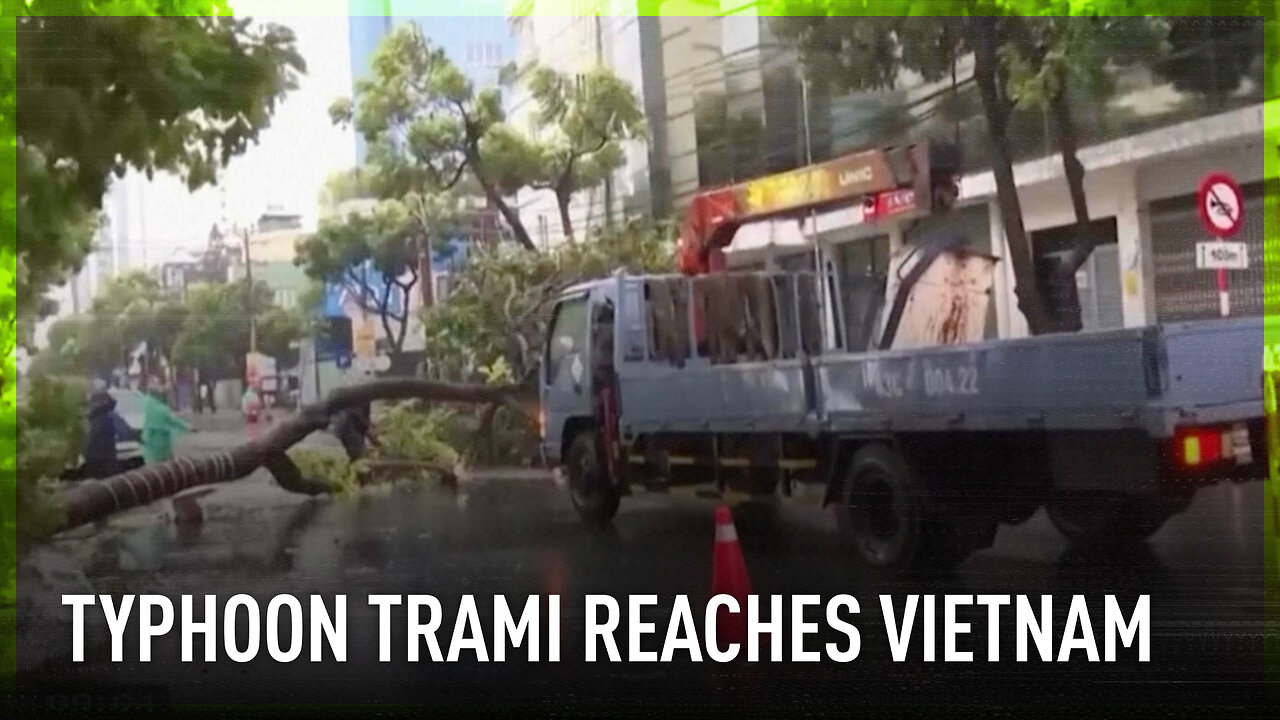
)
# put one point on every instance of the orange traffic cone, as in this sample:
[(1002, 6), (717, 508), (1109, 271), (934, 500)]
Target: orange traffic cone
[(729, 577)]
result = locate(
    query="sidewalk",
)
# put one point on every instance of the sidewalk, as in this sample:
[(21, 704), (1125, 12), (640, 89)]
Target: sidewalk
[(225, 420)]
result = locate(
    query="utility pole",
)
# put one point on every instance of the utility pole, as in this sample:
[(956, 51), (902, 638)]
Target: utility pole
[(248, 278), (608, 178), (824, 305)]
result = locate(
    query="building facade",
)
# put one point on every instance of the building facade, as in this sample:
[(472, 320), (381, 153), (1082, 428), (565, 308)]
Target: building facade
[(739, 107)]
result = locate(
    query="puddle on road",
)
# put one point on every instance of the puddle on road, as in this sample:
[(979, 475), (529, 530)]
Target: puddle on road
[(316, 538)]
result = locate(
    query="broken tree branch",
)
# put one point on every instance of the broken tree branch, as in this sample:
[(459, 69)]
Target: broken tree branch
[(93, 501)]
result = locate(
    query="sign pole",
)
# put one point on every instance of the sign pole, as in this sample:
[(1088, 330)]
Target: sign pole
[(1224, 292)]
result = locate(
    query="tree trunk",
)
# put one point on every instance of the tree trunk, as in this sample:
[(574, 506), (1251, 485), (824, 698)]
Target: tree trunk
[(93, 501), (384, 312), (1074, 171), (424, 272), (491, 192), (996, 109), (566, 224), (513, 219)]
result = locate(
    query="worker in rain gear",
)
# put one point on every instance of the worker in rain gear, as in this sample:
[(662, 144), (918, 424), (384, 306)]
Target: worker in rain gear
[(354, 429), (106, 428), (158, 428)]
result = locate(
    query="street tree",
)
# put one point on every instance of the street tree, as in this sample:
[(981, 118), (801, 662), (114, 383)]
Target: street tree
[(214, 336), (102, 95), (426, 126), (1051, 61), (496, 318), (1212, 56), (1019, 60), (132, 310), (582, 121), (376, 254), (345, 186)]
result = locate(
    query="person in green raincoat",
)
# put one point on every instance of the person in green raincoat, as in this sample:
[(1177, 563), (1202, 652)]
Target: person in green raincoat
[(159, 425)]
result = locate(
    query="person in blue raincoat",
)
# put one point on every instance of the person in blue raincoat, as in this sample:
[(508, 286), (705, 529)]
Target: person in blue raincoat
[(106, 429), (159, 425)]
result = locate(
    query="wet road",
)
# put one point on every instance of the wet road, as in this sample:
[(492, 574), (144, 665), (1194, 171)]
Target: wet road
[(520, 537)]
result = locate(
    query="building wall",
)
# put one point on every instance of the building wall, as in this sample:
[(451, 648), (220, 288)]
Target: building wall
[(369, 21), (1143, 183)]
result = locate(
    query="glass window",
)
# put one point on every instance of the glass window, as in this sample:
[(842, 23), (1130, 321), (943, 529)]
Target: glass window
[(568, 334)]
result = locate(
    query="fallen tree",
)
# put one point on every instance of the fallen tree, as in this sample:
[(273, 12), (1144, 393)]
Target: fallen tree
[(93, 501)]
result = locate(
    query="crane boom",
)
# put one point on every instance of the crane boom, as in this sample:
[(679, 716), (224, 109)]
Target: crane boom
[(887, 181)]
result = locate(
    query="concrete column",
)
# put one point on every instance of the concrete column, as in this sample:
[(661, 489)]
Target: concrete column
[(896, 238), (1137, 267), (1009, 319)]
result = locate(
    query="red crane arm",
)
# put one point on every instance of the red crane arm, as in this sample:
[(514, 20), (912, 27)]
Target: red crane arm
[(888, 181)]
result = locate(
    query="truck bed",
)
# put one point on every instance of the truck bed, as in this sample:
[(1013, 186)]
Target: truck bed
[(1153, 378)]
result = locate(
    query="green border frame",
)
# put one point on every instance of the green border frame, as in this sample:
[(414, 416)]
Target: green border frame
[(8, 251)]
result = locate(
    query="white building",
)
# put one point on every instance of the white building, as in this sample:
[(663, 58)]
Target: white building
[(1140, 191)]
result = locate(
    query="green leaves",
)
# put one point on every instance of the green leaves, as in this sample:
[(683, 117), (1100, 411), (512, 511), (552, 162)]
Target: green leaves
[(390, 237), (413, 110), (1049, 56), (581, 121), (387, 236), (104, 94), (214, 335), (498, 303)]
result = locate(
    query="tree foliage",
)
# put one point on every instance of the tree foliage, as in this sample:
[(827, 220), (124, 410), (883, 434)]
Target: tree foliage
[(496, 318), (1212, 56), (50, 435), (214, 335), (101, 95), (208, 330), (498, 303), (376, 254), (426, 125), (582, 121), (132, 309)]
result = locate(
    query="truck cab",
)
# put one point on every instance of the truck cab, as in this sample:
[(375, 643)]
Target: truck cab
[(577, 387), (572, 349)]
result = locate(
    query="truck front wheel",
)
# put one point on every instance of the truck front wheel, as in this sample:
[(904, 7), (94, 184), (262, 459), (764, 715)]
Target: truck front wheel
[(1107, 519), (595, 499)]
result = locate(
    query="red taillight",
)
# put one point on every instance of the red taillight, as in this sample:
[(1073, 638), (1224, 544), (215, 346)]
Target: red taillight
[(1200, 447)]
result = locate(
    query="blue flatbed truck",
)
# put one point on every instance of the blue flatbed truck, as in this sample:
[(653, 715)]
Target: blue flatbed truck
[(920, 452), (920, 435)]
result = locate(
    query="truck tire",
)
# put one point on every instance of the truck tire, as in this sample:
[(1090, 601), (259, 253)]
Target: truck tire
[(887, 510), (593, 497), (881, 510), (1107, 519)]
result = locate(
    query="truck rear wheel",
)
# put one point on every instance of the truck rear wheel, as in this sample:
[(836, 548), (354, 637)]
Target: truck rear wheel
[(1107, 519), (595, 499), (887, 512)]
